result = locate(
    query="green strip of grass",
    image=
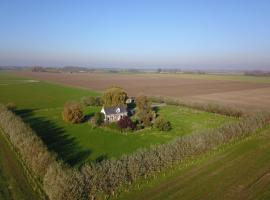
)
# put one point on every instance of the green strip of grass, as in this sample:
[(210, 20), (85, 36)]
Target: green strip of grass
[(240, 171), (13, 182)]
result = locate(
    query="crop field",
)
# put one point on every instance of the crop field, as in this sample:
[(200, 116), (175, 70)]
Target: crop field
[(239, 171), (247, 92), (40, 105), (13, 183)]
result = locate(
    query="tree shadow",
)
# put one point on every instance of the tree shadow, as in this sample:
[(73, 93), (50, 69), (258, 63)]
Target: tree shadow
[(55, 138), (101, 158), (87, 117)]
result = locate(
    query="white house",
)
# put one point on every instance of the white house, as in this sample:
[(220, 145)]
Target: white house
[(114, 114)]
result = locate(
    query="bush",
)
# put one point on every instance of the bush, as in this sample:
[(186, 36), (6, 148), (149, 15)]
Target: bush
[(91, 101), (162, 125), (88, 101), (72, 112), (126, 123)]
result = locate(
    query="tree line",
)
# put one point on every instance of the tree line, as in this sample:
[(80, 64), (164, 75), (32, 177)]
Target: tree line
[(231, 111)]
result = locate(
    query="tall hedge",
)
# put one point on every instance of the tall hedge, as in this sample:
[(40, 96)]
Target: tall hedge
[(108, 175), (232, 111), (25, 140)]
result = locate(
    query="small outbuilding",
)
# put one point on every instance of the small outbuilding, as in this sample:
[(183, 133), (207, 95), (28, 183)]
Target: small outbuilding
[(114, 114)]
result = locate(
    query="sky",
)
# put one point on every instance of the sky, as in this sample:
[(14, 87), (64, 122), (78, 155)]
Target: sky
[(190, 34)]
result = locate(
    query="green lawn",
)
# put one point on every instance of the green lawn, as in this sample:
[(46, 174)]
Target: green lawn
[(239, 171), (13, 183), (40, 105)]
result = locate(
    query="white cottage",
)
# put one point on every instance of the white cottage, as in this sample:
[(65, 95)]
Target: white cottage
[(114, 114)]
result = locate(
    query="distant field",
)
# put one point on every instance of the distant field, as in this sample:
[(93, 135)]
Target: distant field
[(247, 92), (40, 105), (240, 171), (13, 183)]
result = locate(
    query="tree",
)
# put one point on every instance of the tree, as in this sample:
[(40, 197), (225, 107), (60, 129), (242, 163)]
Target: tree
[(99, 101), (144, 111), (126, 123), (72, 112), (114, 96), (162, 125), (98, 119)]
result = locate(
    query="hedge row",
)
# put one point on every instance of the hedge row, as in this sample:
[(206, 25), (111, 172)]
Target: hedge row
[(208, 107), (107, 176), (42, 163), (30, 146), (100, 180)]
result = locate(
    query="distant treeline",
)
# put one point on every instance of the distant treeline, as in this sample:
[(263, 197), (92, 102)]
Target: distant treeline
[(78, 69), (257, 73)]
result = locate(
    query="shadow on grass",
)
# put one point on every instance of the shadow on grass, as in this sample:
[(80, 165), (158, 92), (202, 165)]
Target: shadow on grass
[(55, 138), (87, 117)]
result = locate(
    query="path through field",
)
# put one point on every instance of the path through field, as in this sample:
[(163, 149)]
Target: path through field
[(13, 183)]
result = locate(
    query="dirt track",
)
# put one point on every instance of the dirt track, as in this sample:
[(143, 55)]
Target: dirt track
[(244, 94)]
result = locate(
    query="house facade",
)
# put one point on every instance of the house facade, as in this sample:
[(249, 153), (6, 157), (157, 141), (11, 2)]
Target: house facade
[(114, 114)]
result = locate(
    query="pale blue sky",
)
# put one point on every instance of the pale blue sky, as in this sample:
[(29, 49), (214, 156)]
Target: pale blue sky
[(210, 34)]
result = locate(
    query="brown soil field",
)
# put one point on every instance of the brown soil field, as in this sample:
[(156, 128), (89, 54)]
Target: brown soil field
[(255, 96)]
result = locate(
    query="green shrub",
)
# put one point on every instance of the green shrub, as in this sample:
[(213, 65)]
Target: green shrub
[(162, 125), (88, 101), (91, 101)]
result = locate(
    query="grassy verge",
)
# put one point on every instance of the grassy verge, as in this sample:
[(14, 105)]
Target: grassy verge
[(13, 180), (235, 171)]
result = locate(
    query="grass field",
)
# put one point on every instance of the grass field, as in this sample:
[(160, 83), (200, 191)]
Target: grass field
[(40, 105), (13, 183), (239, 171)]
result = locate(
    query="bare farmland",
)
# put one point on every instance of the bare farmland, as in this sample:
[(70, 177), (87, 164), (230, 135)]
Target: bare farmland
[(251, 95)]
